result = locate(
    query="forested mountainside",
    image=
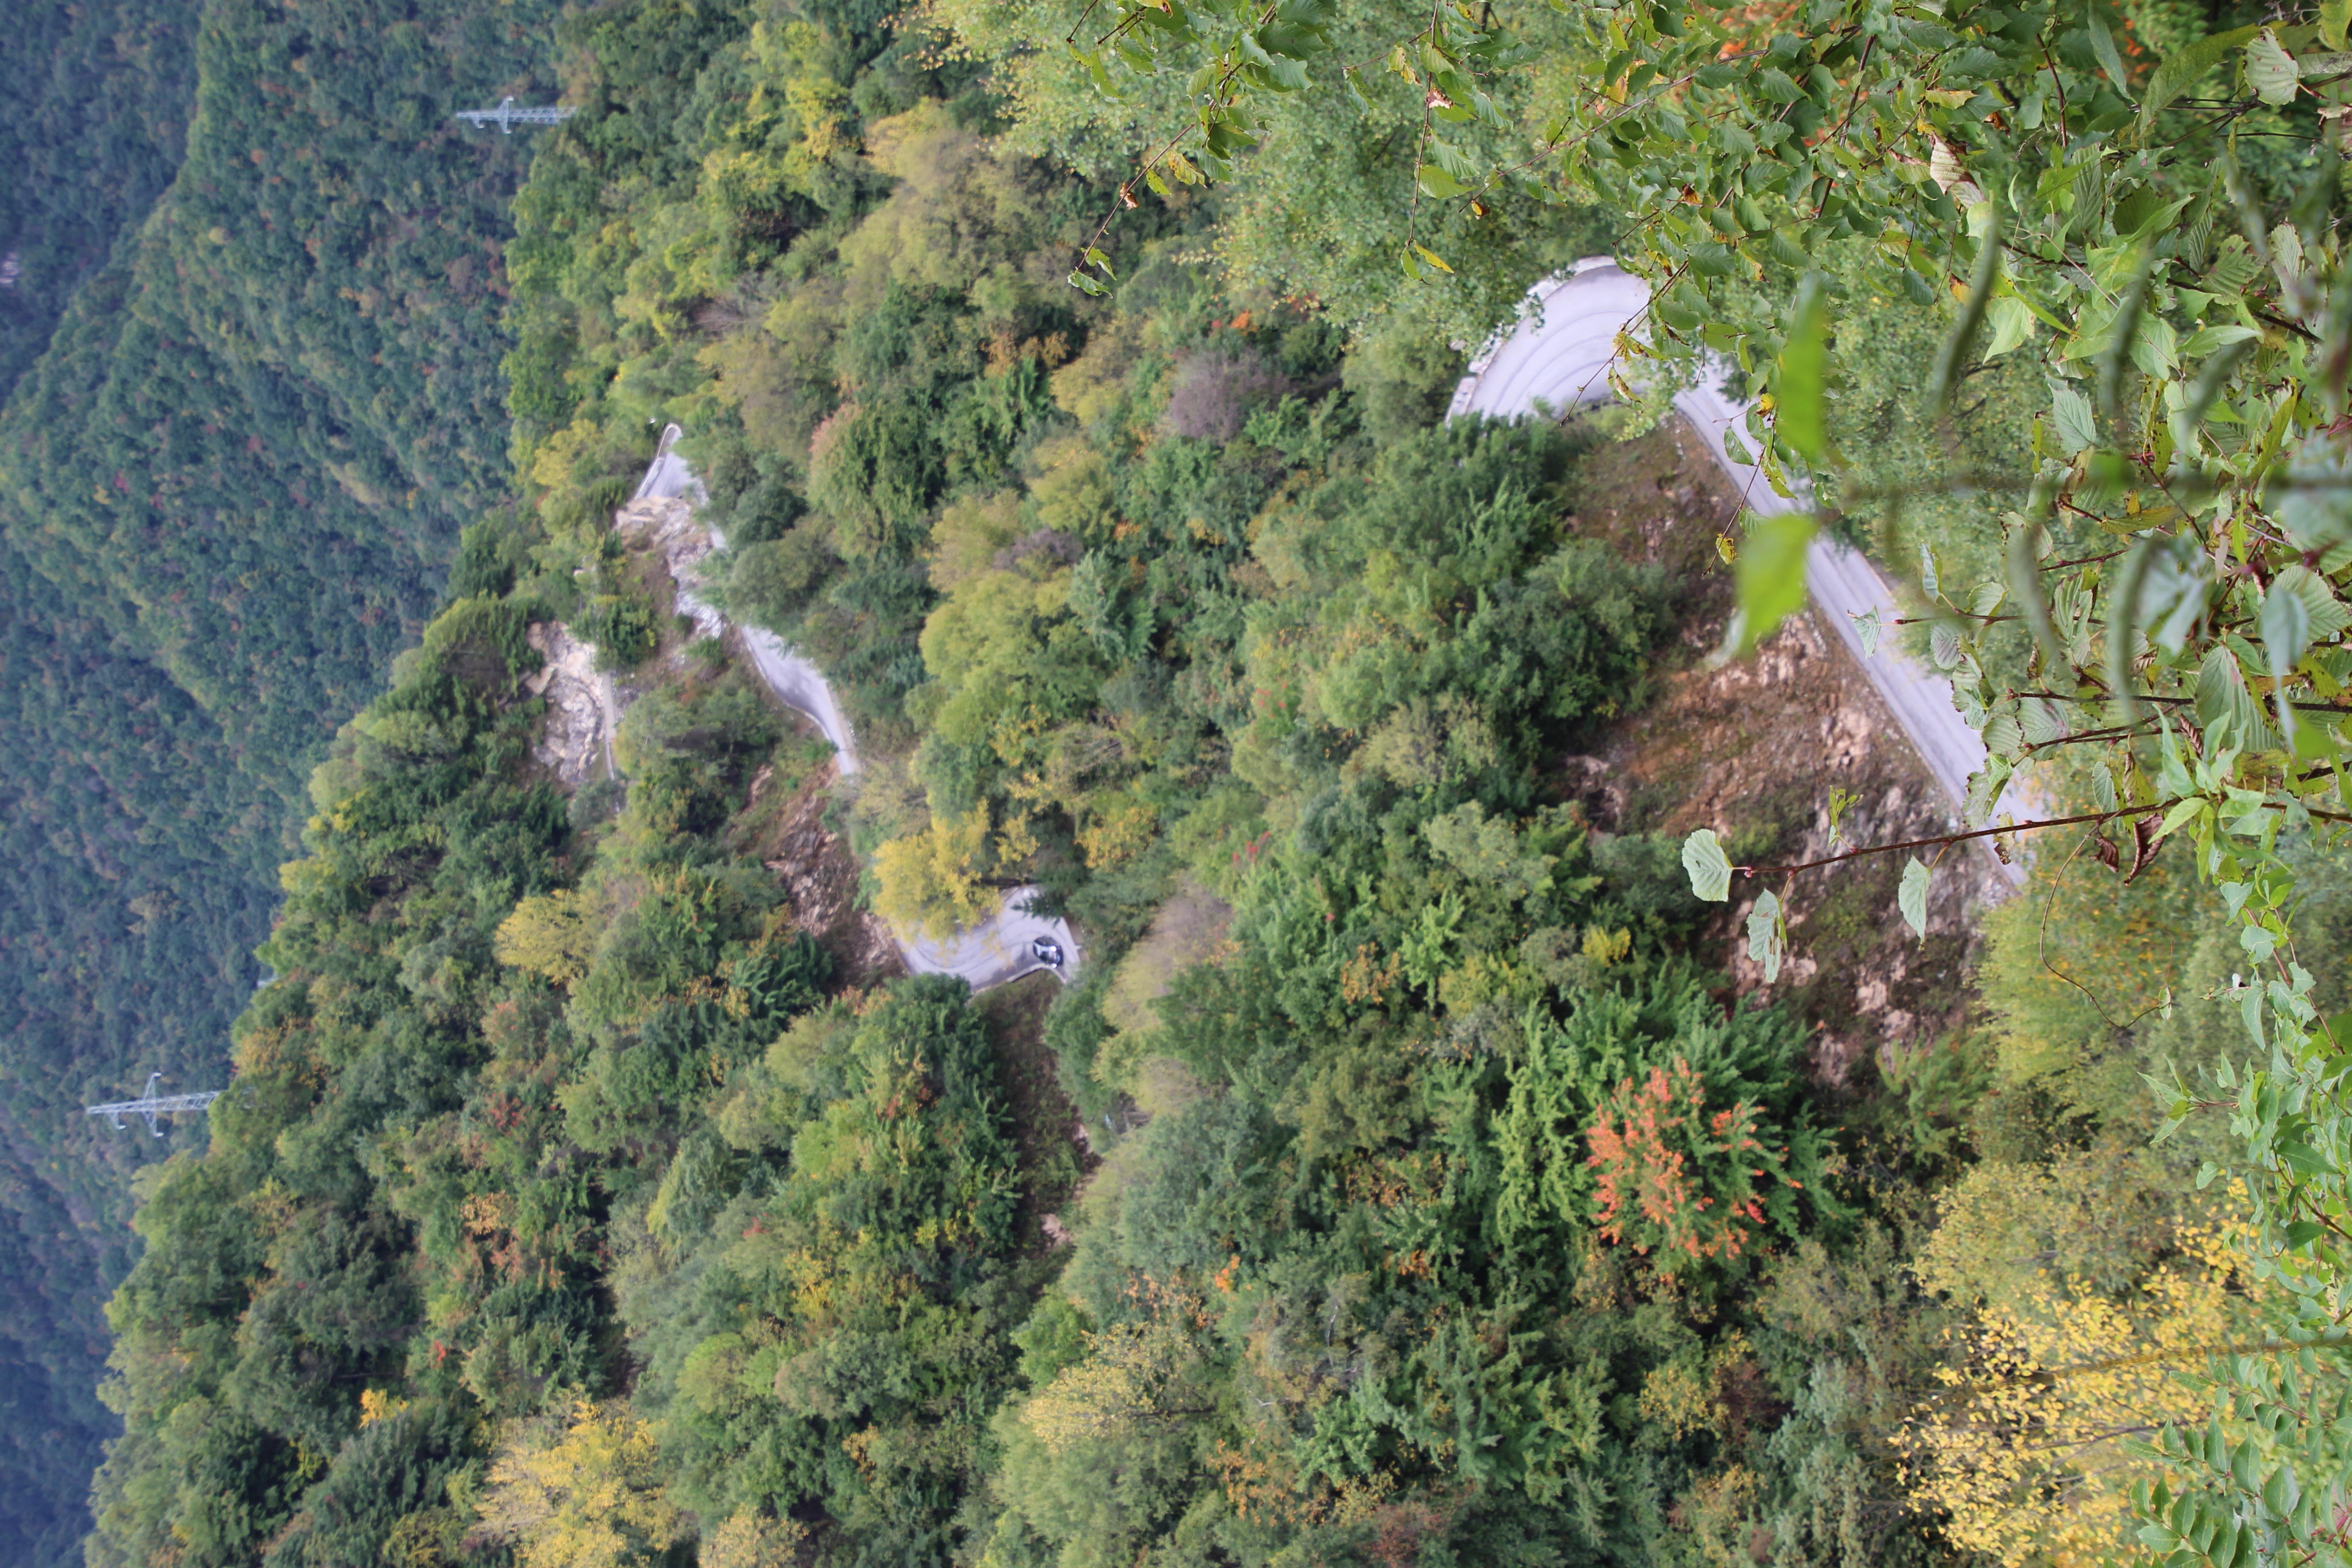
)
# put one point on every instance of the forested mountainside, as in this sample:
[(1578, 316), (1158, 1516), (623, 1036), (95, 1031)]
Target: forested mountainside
[(1417, 1171), (252, 342)]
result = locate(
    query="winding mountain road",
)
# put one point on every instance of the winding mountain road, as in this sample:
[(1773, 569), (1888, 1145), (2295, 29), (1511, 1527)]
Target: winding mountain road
[(1558, 355), (1000, 949)]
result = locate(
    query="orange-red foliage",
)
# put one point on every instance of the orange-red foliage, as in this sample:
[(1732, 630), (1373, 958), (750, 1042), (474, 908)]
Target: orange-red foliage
[(1674, 1178)]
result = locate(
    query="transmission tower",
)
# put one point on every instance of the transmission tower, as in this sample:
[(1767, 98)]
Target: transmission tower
[(506, 116), (153, 1105)]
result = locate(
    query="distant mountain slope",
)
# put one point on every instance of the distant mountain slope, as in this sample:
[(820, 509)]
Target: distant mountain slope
[(98, 94), (263, 399)]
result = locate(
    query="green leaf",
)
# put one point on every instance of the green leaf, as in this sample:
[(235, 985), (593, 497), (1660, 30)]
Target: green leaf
[(1431, 257), (2205, 339), (2334, 18), (2286, 630), (1437, 182), (2182, 71), (2104, 46), (2327, 612), (2069, 414), (1801, 416), (1911, 898), (2225, 702), (2270, 70), (1770, 572), (1768, 935), (1709, 868), (2181, 811), (2012, 325)]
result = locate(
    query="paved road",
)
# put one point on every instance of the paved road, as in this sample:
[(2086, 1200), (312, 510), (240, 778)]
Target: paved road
[(1559, 354), (987, 955)]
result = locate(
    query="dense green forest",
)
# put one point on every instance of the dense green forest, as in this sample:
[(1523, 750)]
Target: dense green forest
[(250, 350), (1444, 1193), (1420, 1168)]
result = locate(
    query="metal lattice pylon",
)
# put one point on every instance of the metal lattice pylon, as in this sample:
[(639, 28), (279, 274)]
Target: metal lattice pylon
[(506, 116), (153, 1106)]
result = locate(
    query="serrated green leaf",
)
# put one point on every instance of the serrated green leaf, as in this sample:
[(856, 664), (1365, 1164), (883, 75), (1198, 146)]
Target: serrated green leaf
[(1768, 935), (2270, 70), (1783, 247), (2071, 420), (1708, 868), (2225, 702), (2327, 612), (2012, 325), (1911, 897)]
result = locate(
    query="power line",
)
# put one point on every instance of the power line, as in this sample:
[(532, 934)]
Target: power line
[(153, 1106), (506, 116)]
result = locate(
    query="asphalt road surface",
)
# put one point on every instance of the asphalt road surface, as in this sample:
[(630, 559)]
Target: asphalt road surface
[(991, 953), (1558, 356)]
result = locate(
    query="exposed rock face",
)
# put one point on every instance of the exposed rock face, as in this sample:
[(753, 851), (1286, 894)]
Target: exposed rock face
[(668, 524), (575, 741), (820, 877), (1753, 750)]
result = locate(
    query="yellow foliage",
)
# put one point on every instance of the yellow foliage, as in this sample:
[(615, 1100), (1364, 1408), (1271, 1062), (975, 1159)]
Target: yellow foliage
[(932, 883), (984, 642), (1073, 494), (2024, 1450), (967, 536), (548, 935), (586, 1494), (1605, 947), (1119, 828), (1677, 1399), (1090, 385), (1126, 1382), (567, 458), (377, 1405), (747, 1540)]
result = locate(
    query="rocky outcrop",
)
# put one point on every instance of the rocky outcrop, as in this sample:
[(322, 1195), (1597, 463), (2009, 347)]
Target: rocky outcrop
[(666, 524), (819, 874), (575, 741)]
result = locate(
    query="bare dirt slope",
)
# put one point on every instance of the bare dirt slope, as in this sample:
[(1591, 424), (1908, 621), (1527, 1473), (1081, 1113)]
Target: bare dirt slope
[(1754, 751), (786, 828)]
